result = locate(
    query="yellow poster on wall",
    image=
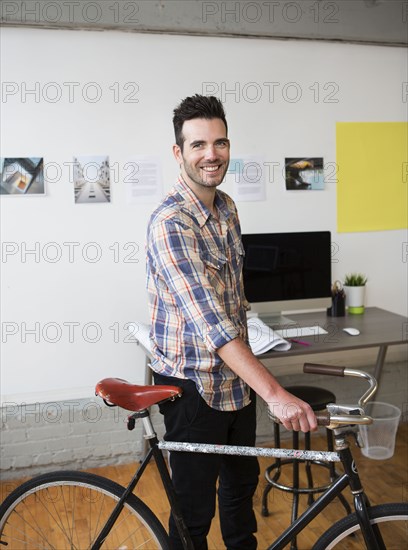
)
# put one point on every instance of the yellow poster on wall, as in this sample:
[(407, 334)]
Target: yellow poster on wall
[(372, 176)]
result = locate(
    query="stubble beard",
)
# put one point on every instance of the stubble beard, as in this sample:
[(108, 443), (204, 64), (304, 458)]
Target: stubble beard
[(199, 177)]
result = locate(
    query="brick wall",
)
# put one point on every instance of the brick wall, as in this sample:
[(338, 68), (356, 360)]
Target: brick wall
[(77, 434)]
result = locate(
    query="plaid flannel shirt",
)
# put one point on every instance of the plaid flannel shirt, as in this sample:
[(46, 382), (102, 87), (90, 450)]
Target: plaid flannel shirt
[(195, 291)]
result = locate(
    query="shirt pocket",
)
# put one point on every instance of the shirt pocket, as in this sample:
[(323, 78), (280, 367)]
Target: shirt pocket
[(215, 268)]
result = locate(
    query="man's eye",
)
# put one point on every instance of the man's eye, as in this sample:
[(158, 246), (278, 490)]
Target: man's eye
[(222, 143)]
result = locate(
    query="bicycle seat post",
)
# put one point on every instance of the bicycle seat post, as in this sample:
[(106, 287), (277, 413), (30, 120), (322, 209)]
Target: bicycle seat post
[(149, 432)]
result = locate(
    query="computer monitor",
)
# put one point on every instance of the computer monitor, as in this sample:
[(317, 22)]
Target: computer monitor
[(285, 272)]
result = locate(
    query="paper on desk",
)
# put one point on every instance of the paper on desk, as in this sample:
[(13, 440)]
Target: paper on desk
[(262, 338), (141, 331)]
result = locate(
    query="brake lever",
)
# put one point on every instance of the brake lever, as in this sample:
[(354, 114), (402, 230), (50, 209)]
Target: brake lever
[(334, 409)]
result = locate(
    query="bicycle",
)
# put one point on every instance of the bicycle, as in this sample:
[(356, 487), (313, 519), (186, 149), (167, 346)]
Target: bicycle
[(78, 510)]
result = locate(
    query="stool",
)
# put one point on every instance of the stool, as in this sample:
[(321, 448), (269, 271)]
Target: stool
[(318, 399)]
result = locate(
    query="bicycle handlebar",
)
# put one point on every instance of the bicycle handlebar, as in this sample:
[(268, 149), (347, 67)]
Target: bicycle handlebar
[(333, 420), (333, 370), (314, 368), (330, 418), (323, 418), (338, 415)]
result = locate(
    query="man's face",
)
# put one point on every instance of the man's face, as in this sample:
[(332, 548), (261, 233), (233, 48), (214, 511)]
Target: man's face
[(205, 156)]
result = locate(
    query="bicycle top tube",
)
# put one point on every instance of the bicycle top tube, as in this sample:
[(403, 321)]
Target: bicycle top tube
[(324, 456)]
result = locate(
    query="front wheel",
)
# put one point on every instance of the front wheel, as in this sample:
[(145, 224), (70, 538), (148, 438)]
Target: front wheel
[(391, 520), (67, 510)]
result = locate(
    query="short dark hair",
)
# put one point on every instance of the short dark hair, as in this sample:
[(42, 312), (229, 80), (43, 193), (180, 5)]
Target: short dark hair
[(196, 106)]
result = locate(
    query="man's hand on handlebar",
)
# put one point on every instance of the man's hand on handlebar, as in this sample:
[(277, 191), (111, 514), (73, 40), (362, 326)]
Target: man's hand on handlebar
[(293, 413)]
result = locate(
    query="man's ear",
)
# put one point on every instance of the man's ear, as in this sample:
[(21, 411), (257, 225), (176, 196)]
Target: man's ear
[(178, 155)]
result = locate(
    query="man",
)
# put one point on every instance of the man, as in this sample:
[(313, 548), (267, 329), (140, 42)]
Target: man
[(199, 333)]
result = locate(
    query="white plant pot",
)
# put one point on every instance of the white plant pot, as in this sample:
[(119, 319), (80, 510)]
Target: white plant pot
[(355, 296)]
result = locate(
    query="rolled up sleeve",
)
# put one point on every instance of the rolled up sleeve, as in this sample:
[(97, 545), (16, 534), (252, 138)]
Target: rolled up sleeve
[(220, 334)]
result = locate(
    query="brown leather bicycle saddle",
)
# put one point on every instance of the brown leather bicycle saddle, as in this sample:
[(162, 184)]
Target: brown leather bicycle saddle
[(116, 391)]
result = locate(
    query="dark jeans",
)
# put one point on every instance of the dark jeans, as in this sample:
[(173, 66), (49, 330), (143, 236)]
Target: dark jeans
[(195, 476)]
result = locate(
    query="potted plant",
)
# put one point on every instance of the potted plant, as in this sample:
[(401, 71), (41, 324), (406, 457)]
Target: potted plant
[(354, 287)]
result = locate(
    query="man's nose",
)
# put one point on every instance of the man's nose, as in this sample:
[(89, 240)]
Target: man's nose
[(210, 153)]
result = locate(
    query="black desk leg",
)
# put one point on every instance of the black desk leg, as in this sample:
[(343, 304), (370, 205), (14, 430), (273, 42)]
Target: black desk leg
[(380, 362)]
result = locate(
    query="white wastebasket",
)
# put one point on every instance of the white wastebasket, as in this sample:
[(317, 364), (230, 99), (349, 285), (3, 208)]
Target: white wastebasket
[(378, 438)]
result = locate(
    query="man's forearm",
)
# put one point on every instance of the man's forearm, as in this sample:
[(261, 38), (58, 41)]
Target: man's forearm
[(239, 357), (294, 413)]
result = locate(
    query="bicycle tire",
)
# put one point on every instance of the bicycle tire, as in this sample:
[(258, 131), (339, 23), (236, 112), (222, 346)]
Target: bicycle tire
[(66, 510), (390, 518)]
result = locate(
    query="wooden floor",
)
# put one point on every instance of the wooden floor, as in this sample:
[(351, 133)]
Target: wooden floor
[(384, 481)]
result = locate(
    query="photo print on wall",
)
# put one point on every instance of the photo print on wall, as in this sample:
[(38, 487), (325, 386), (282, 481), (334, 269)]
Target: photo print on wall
[(304, 174), (91, 179), (22, 176)]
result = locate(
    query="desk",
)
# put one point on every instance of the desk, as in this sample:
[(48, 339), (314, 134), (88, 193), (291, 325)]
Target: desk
[(378, 329)]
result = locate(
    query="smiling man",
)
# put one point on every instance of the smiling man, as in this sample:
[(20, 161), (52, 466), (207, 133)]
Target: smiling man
[(199, 334)]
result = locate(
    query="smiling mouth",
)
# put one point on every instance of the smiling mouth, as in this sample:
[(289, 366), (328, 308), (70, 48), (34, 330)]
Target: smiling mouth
[(210, 169)]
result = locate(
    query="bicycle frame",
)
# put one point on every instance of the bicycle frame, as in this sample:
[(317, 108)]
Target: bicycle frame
[(339, 418), (350, 478)]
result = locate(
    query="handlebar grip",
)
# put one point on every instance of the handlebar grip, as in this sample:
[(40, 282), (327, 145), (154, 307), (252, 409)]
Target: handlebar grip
[(333, 370), (323, 418)]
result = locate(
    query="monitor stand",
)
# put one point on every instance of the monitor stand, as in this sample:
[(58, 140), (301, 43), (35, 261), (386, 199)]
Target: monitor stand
[(276, 319)]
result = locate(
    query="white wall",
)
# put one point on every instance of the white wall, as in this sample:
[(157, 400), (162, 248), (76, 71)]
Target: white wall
[(49, 297)]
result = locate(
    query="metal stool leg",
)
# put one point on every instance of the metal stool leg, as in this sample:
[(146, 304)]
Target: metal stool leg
[(308, 467), (265, 510), (275, 466)]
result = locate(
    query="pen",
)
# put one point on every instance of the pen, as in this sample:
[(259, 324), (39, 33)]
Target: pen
[(301, 342)]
